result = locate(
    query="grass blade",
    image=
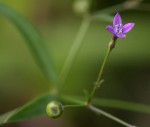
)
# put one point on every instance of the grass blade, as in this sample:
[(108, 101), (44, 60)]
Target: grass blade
[(124, 105), (33, 109), (33, 40), (110, 103)]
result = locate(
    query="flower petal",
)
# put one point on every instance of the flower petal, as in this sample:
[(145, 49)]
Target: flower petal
[(117, 20), (110, 29), (127, 27), (121, 35)]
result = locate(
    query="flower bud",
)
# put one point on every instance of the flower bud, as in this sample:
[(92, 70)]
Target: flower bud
[(54, 109), (81, 7)]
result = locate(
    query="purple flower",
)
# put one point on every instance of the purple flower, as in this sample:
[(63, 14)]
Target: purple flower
[(118, 29)]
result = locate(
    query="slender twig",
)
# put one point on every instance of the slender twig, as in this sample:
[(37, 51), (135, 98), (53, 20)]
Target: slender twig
[(101, 112), (99, 80), (74, 50), (68, 106), (97, 83)]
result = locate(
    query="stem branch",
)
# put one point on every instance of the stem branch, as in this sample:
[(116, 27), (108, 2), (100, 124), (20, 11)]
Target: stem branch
[(99, 80), (101, 112), (81, 103)]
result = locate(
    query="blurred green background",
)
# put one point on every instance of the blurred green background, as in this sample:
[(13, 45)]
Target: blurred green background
[(127, 74)]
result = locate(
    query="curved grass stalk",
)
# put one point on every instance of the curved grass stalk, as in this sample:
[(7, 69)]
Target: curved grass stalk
[(74, 51)]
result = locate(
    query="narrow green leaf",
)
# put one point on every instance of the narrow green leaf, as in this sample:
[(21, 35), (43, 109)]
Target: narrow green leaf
[(73, 99), (105, 14), (36, 107), (124, 105), (33, 109), (110, 103), (33, 40)]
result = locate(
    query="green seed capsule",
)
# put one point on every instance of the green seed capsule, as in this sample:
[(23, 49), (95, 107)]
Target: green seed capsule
[(54, 109)]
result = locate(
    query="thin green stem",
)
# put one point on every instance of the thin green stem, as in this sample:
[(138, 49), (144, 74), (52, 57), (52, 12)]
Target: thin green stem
[(81, 103), (99, 79), (72, 100), (108, 103), (68, 106), (102, 67), (74, 50), (101, 112)]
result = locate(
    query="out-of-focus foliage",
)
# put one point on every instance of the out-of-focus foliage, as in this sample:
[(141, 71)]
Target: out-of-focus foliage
[(34, 41), (127, 72), (31, 110)]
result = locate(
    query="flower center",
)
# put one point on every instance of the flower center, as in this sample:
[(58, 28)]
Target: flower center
[(118, 29)]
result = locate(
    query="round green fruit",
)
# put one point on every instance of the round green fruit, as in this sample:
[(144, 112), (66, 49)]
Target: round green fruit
[(54, 109)]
